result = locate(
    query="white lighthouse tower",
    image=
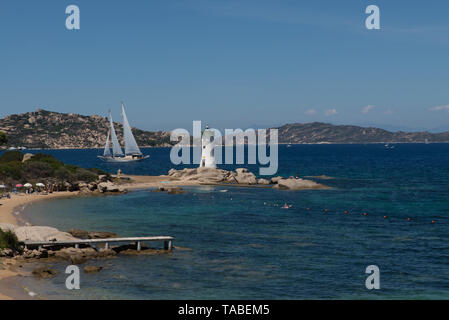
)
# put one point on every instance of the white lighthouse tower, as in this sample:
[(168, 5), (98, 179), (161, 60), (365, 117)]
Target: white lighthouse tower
[(207, 149)]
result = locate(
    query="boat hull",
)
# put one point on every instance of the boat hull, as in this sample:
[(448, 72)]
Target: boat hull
[(122, 159)]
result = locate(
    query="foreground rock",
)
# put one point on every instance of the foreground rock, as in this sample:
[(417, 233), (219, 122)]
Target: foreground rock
[(44, 273), (298, 184), (92, 269), (82, 234), (110, 187), (37, 233)]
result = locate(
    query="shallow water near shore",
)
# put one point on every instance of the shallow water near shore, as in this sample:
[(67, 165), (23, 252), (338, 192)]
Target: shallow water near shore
[(242, 245)]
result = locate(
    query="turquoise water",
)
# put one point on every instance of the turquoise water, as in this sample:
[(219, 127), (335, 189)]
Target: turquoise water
[(242, 245)]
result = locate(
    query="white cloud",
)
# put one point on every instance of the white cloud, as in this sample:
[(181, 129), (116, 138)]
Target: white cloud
[(440, 108), (311, 112), (330, 112), (367, 109)]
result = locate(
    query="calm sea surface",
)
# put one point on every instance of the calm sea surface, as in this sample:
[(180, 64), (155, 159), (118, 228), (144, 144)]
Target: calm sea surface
[(242, 245)]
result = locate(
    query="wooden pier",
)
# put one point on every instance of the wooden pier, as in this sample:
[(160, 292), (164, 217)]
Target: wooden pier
[(168, 242)]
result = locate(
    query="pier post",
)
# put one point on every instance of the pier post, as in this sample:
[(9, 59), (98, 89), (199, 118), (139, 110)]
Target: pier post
[(138, 246), (168, 245)]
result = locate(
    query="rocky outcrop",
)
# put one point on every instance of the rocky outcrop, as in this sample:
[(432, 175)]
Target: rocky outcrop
[(82, 234), (44, 273), (37, 233), (298, 184), (92, 269), (213, 176), (110, 187), (101, 235), (241, 176), (27, 156)]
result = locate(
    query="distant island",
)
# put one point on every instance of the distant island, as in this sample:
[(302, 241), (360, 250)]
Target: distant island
[(318, 132), (53, 130)]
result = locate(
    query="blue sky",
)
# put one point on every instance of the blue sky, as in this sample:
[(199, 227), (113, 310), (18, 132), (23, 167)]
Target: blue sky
[(230, 63)]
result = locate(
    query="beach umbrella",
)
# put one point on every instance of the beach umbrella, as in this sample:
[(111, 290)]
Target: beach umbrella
[(27, 185), (39, 184), (19, 185)]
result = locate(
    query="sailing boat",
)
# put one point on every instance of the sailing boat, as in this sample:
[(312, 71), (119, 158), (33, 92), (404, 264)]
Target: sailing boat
[(132, 151)]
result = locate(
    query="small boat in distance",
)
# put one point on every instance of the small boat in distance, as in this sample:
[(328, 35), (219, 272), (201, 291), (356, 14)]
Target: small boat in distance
[(132, 151)]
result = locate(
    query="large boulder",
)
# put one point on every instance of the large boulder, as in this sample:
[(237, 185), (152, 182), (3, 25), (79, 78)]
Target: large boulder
[(211, 175), (44, 273), (83, 234), (298, 184), (92, 269), (27, 156), (80, 234), (245, 177), (76, 256), (101, 235), (275, 180), (110, 187), (8, 227), (41, 233), (263, 181), (241, 171)]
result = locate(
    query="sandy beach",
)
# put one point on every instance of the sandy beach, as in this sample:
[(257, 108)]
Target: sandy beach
[(9, 287)]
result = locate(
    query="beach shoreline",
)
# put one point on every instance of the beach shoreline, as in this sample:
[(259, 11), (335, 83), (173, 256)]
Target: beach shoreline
[(10, 288), (10, 210)]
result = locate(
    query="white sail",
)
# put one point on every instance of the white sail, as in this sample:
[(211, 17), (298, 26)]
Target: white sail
[(131, 147), (107, 147), (116, 149)]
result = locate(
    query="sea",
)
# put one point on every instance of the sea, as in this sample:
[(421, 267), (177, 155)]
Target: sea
[(387, 206)]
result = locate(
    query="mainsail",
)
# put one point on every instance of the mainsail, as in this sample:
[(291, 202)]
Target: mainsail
[(131, 147), (116, 149), (107, 147)]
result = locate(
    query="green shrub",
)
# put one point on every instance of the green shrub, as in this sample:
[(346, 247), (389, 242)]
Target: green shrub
[(85, 175), (11, 170), (52, 161), (36, 170), (41, 167), (98, 171), (10, 156), (63, 174), (8, 240)]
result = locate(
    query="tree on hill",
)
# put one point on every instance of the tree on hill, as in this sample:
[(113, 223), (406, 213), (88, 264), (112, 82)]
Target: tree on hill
[(3, 138)]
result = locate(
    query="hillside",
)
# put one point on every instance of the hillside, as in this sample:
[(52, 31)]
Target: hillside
[(318, 132), (46, 129)]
